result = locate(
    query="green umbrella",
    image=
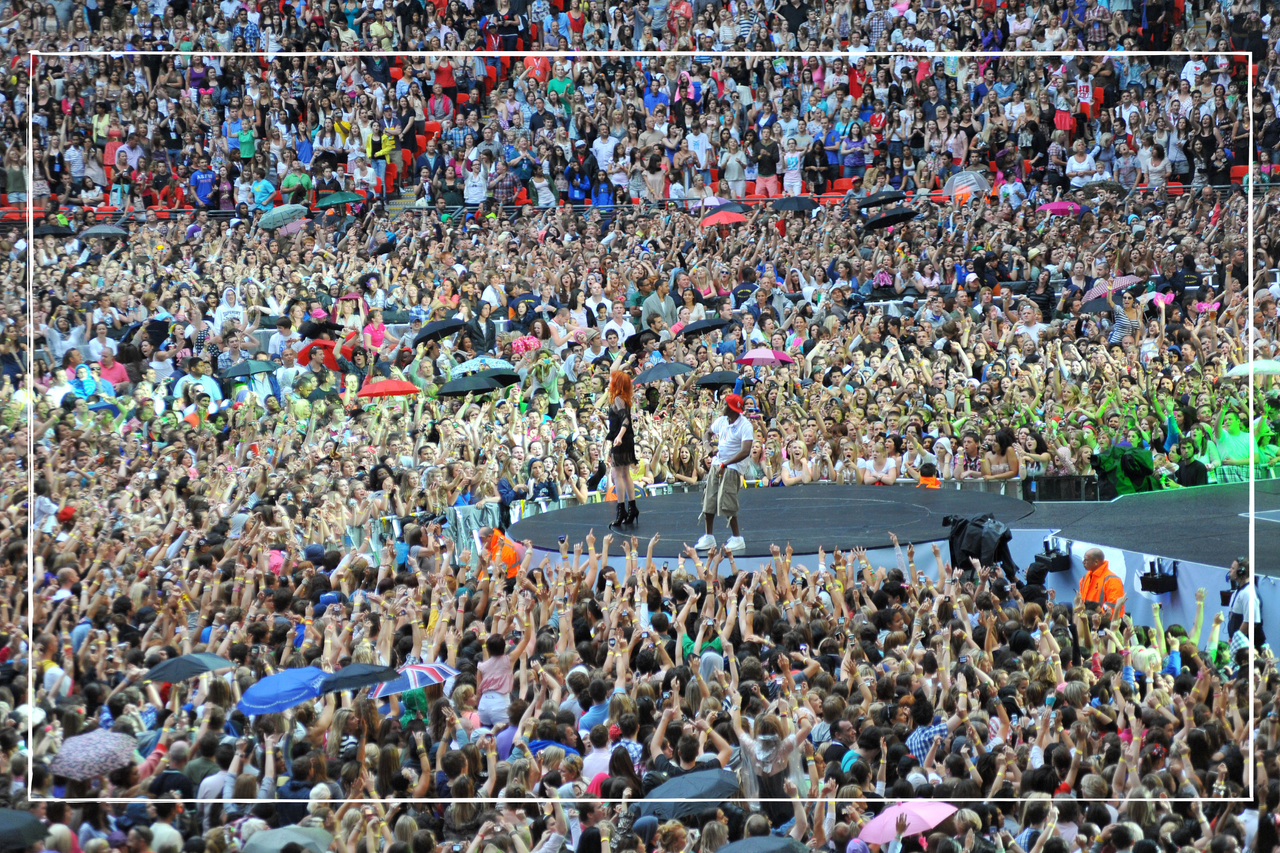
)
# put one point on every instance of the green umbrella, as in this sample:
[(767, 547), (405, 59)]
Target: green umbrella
[(339, 198), (1261, 367), (282, 216)]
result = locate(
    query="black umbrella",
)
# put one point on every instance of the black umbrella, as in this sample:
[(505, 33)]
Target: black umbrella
[(473, 384), (1097, 306), (881, 199), (103, 232), (53, 231), (358, 675), (665, 370), (765, 844), (20, 829), (892, 216), (704, 326), (157, 331), (732, 206), (504, 376), (187, 667), (250, 368), (438, 330), (679, 793), (312, 329), (635, 343), (719, 379), (797, 203)]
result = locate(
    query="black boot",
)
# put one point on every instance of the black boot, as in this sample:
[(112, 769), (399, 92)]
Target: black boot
[(632, 513), (622, 514)]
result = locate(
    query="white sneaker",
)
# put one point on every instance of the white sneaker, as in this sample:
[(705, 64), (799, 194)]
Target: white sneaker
[(735, 543), (706, 543)]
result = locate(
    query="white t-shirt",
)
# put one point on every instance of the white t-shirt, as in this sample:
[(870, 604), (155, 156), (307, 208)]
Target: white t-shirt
[(729, 440), (890, 464), (700, 145)]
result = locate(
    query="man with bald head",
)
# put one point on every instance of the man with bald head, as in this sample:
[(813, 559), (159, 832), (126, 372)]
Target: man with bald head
[(1099, 587)]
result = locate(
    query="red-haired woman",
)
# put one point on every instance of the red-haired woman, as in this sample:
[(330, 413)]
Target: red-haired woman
[(622, 446)]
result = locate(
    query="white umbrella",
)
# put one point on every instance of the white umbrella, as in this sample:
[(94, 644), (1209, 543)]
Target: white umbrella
[(312, 838), (971, 182)]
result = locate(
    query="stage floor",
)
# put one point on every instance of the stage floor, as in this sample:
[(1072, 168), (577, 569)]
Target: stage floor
[(1206, 524), (808, 517)]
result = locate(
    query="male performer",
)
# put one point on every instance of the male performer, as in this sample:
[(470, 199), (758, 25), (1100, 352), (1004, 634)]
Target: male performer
[(733, 434)]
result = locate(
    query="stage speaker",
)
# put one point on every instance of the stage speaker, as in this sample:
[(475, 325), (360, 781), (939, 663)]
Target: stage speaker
[(1160, 577)]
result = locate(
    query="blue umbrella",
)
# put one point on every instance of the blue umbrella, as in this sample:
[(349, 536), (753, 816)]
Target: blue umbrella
[(282, 691), (483, 362)]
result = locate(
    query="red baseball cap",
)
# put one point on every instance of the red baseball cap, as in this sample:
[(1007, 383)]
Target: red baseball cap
[(734, 402)]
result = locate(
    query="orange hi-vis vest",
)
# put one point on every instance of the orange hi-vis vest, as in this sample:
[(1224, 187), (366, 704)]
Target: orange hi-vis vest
[(1102, 587), (502, 551)]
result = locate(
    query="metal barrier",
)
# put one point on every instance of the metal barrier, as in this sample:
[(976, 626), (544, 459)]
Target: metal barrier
[(1080, 488)]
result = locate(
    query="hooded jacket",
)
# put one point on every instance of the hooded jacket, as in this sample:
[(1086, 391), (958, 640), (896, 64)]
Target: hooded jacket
[(228, 309)]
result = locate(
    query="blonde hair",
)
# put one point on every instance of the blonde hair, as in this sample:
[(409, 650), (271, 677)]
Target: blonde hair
[(551, 758), (59, 838), (669, 834)]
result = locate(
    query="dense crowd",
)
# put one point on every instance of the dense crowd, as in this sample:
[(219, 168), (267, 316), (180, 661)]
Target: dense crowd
[(208, 477)]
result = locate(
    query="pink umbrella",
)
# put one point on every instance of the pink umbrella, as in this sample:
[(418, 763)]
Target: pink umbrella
[(922, 815), (765, 357), (1060, 208), (293, 227), (1102, 287)]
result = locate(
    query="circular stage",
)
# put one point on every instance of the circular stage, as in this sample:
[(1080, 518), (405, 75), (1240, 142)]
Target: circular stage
[(808, 517)]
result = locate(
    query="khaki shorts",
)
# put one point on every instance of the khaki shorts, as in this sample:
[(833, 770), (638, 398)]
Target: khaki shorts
[(721, 498)]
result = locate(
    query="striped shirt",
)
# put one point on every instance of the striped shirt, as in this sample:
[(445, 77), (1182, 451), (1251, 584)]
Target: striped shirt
[(74, 158)]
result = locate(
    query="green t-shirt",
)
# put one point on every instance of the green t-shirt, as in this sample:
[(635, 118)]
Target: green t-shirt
[(714, 645), (291, 180), (1234, 446), (561, 87)]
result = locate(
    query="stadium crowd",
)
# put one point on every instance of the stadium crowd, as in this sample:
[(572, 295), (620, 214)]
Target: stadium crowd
[(512, 231)]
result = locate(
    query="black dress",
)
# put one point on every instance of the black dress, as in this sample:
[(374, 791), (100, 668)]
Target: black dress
[(624, 453)]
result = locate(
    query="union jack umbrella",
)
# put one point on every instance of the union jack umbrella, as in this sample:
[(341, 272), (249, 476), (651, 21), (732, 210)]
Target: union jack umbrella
[(413, 676)]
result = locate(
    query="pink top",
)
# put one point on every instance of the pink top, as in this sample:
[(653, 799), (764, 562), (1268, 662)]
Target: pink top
[(495, 676), (377, 334)]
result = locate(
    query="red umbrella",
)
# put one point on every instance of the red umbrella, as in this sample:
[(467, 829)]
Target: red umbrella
[(389, 388), (330, 361), (349, 344), (722, 217)]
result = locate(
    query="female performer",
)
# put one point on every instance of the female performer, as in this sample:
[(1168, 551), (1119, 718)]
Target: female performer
[(622, 450)]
